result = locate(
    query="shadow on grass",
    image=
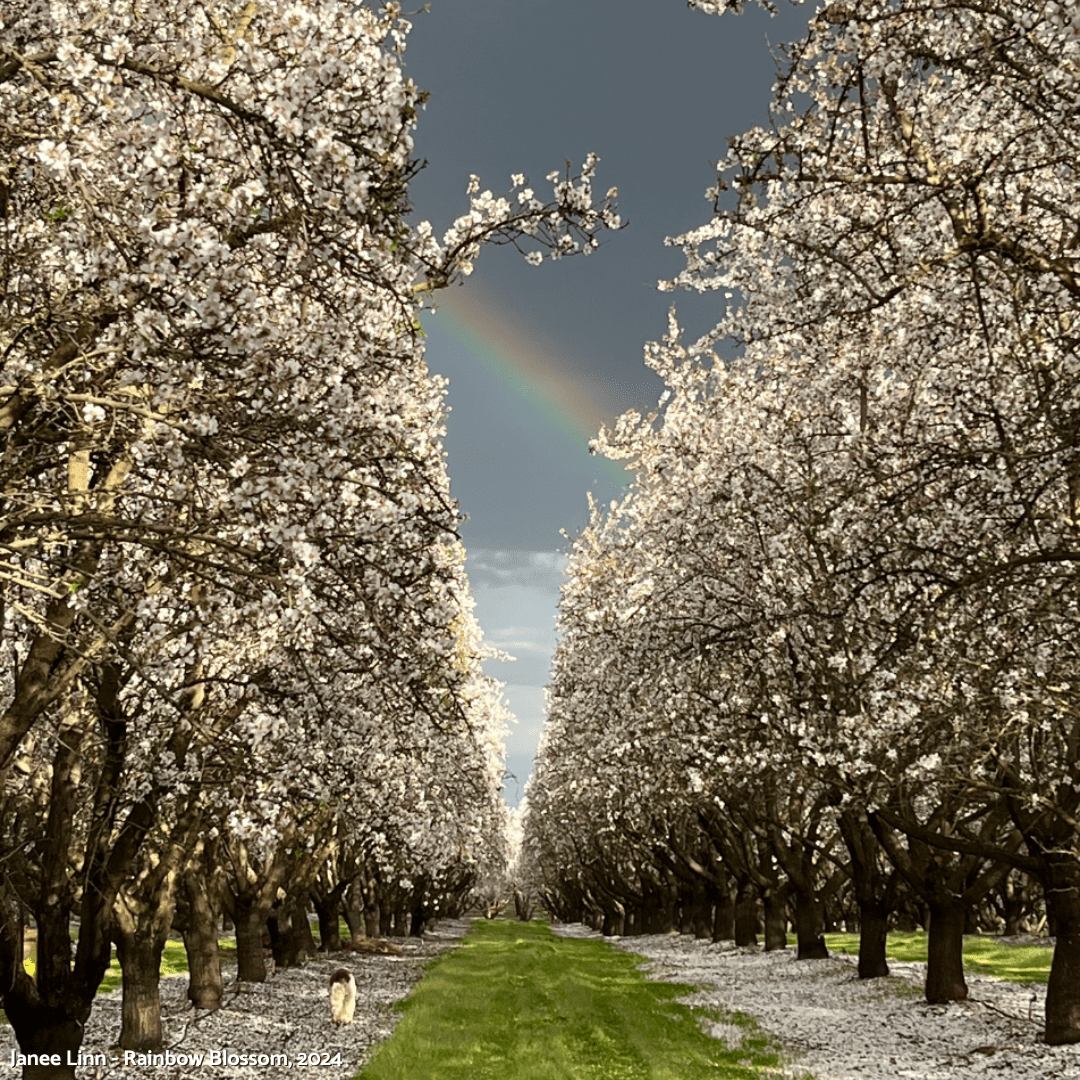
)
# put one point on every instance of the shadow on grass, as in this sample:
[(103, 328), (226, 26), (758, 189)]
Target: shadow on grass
[(173, 962), (982, 956), (517, 1003)]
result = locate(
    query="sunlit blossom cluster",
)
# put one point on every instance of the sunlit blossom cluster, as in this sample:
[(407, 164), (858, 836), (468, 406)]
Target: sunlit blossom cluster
[(238, 642), (831, 630)]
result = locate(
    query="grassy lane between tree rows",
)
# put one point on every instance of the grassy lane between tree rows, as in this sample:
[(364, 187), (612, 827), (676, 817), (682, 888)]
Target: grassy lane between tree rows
[(982, 956), (515, 1002)]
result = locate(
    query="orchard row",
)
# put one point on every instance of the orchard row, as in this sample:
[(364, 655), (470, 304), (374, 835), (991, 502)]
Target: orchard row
[(239, 660), (826, 651)]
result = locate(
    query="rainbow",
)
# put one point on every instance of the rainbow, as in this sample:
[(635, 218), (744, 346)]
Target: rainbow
[(555, 387)]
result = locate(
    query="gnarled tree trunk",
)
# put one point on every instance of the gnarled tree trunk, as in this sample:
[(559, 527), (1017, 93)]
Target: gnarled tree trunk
[(205, 988), (945, 951), (140, 1009), (1063, 987)]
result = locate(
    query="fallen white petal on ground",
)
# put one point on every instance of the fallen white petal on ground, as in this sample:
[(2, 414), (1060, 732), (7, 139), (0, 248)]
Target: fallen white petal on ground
[(288, 1014), (835, 1026)]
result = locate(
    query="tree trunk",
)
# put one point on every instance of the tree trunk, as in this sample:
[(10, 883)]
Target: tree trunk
[(301, 928), (1063, 988), (651, 914), (809, 926), (140, 1011), (353, 911), (875, 892), (284, 943), (51, 1072), (52, 1027), (684, 916), (746, 916), (945, 947), (774, 902), (250, 923), (618, 921), (418, 920), (372, 921), (873, 940), (701, 911), (205, 987), (43, 1030), (523, 906), (386, 921), (329, 926), (723, 928)]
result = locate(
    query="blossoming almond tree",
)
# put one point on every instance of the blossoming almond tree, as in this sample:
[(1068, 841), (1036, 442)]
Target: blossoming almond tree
[(899, 269), (219, 427)]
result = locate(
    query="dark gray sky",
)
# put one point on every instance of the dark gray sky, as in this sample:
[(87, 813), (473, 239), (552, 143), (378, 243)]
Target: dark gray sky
[(537, 357)]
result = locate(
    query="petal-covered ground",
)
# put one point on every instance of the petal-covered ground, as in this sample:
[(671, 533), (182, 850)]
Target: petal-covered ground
[(835, 1026), (289, 1015), (831, 1025)]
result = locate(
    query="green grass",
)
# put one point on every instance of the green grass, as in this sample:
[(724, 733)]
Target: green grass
[(982, 956), (173, 962), (515, 1002)]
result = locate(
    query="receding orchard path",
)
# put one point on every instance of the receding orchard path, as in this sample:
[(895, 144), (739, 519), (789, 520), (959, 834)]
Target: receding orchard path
[(515, 1002), (518, 1002)]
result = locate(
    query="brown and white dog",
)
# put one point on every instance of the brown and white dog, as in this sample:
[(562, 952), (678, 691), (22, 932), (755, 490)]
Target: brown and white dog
[(342, 996)]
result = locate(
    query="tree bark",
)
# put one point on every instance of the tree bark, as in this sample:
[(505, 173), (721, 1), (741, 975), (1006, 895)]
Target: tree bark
[(352, 910), (40, 1029), (140, 1009), (723, 928), (873, 940), (774, 904), (746, 915), (372, 921), (809, 926), (205, 988), (301, 928), (1063, 987), (523, 907), (329, 926), (250, 923), (284, 942), (945, 951), (701, 911)]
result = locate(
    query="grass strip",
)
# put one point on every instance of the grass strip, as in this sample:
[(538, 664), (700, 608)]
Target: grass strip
[(982, 956), (515, 1002), (173, 962)]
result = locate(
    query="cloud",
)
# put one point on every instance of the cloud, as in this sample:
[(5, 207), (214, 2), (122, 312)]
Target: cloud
[(517, 597), (497, 569)]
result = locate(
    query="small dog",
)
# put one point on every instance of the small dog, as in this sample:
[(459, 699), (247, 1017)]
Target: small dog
[(342, 996)]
